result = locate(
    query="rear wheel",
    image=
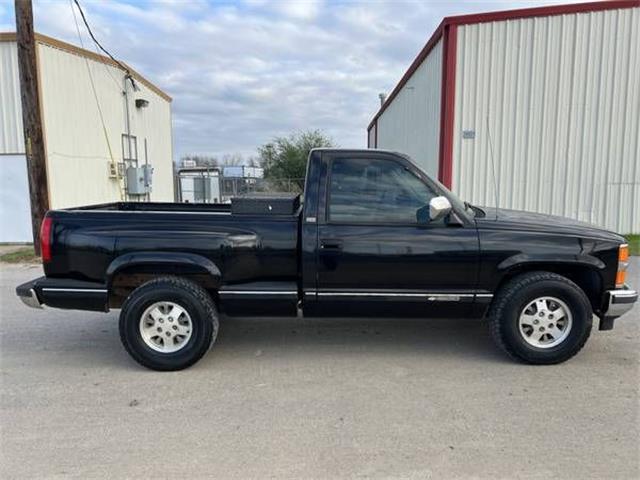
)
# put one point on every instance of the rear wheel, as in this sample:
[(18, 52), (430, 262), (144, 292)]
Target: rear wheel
[(541, 318), (168, 323)]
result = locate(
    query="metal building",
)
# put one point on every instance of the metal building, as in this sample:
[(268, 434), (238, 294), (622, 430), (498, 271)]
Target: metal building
[(199, 185), (106, 139), (546, 98)]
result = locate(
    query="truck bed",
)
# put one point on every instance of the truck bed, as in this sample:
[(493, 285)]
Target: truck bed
[(155, 207), (88, 241), (271, 205)]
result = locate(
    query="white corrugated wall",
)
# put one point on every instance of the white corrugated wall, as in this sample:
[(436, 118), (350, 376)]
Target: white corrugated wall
[(558, 100), (11, 136), (77, 152), (411, 123), (15, 215), (15, 208)]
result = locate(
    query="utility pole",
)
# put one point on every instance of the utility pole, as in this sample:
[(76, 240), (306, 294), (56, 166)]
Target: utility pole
[(31, 117)]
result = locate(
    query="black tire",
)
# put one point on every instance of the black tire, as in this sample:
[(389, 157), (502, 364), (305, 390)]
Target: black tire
[(511, 301), (193, 299)]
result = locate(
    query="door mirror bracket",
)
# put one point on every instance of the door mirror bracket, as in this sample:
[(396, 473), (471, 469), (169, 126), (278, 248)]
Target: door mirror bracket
[(454, 220)]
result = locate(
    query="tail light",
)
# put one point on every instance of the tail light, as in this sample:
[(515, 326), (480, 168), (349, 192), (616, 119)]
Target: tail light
[(45, 239), (623, 263)]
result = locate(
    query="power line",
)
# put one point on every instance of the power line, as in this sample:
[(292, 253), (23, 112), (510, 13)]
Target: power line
[(122, 66), (106, 67), (95, 96)]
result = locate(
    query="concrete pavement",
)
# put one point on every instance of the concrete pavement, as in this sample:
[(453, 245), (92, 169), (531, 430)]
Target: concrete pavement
[(288, 398)]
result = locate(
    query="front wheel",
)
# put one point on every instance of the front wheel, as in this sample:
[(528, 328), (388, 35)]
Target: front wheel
[(541, 318), (168, 323)]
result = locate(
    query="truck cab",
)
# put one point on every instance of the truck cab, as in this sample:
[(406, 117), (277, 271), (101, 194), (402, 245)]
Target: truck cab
[(373, 243)]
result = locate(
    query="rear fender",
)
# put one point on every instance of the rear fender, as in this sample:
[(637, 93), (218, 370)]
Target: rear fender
[(170, 263)]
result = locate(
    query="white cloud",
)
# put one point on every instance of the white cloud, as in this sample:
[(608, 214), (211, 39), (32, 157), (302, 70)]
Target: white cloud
[(295, 9), (299, 9), (240, 73)]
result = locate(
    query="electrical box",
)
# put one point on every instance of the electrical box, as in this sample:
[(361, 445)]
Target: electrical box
[(139, 180), (116, 170), (148, 177)]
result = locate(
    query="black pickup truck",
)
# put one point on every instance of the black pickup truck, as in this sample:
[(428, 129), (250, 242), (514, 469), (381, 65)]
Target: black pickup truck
[(373, 236)]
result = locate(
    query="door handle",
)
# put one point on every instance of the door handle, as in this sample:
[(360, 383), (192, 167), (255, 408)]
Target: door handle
[(331, 244)]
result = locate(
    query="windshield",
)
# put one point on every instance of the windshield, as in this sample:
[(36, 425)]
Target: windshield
[(458, 204)]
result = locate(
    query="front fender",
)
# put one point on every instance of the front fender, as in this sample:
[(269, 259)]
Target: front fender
[(526, 260), (586, 271)]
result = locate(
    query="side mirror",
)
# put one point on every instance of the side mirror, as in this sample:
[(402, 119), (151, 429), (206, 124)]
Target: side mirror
[(439, 207)]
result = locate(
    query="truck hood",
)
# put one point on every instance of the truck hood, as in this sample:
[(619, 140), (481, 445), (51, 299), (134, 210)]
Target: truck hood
[(529, 221)]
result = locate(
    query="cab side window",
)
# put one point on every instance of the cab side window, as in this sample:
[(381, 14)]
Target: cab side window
[(375, 191)]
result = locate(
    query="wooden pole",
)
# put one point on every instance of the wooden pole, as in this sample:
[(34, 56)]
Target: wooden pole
[(31, 117)]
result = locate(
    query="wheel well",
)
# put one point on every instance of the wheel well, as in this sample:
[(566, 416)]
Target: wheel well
[(586, 278), (127, 279)]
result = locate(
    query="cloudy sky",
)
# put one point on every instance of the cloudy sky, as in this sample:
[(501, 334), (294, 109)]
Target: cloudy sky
[(241, 72)]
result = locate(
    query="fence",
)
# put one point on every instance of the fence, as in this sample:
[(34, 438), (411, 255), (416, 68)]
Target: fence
[(207, 188)]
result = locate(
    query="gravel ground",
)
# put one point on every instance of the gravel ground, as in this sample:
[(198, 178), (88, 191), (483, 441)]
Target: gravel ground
[(288, 398)]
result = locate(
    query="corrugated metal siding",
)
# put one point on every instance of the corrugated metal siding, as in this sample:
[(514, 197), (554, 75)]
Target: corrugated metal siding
[(15, 207), (77, 152), (411, 123), (557, 99), (11, 136)]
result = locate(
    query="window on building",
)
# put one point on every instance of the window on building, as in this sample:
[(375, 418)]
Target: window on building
[(375, 191)]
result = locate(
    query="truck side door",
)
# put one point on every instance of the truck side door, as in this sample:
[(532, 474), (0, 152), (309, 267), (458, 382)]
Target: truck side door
[(373, 258)]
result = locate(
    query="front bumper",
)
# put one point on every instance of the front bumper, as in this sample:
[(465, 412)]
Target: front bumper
[(617, 303), (64, 293), (620, 301)]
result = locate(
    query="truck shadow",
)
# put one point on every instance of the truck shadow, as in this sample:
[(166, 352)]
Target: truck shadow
[(467, 339), (92, 340)]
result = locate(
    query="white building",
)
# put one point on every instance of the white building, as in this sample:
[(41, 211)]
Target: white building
[(551, 94), (87, 134), (199, 185)]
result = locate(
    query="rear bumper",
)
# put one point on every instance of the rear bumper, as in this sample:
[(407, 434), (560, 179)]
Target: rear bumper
[(620, 302), (64, 293), (29, 297)]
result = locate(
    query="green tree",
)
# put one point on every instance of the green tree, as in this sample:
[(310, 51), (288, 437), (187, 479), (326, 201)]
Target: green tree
[(284, 159)]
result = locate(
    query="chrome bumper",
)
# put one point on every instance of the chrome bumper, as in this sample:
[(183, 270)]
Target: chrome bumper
[(620, 302), (65, 293), (30, 298)]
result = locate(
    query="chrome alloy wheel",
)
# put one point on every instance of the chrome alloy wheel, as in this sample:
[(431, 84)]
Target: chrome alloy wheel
[(545, 322), (165, 327)]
